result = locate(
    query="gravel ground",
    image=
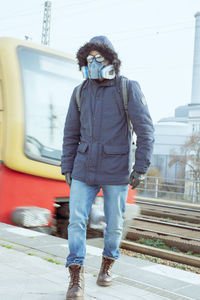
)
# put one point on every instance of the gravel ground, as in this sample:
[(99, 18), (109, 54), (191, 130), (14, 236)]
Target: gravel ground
[(161, 261)]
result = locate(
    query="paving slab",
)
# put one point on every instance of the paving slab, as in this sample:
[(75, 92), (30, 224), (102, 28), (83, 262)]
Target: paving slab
[(32, 267)]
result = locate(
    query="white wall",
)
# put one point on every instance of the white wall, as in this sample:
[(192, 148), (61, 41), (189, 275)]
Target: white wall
[(169, 137)]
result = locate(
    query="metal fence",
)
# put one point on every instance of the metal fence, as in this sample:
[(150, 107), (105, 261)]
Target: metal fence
[(186, 190)]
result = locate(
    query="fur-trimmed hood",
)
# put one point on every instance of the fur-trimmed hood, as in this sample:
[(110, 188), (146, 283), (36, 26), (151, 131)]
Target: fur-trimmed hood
[(104, 46)]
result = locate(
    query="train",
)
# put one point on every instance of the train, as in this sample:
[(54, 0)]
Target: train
[(36, 83)]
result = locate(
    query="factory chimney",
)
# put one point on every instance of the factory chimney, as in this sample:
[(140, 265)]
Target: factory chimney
[(195, 97)]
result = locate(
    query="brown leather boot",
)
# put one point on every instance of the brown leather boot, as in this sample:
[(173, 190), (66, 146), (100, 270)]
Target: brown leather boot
[(105, 277), (76, 285)]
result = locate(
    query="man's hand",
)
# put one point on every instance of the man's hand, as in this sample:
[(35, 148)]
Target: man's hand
[(135, 179), (68, 178)]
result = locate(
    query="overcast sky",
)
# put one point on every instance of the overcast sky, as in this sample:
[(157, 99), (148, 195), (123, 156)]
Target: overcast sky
[(154, 39)]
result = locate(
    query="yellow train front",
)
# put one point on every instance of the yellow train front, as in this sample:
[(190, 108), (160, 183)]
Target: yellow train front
[(35, 87)]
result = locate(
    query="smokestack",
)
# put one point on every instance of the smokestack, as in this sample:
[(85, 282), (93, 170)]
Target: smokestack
[(195, 97)]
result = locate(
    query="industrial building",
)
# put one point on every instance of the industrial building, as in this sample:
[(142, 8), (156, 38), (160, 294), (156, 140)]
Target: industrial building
[(172, 132)]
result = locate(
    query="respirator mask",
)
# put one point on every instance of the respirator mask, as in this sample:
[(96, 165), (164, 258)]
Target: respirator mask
[(97, 70)]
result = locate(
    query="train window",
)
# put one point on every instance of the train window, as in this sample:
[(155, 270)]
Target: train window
[(48, 82)]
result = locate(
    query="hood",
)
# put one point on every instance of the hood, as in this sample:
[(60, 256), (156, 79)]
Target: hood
[(104, 46), (101, 39)]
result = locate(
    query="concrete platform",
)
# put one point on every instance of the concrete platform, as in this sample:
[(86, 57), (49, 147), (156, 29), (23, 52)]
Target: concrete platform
[(32, 268)]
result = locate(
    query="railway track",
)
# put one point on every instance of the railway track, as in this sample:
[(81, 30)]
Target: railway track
[(184, 238), (161, 253), (132, 229), (173, 224), (185, 212)]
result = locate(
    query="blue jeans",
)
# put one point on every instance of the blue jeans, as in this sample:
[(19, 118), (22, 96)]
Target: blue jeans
[(81, 198)]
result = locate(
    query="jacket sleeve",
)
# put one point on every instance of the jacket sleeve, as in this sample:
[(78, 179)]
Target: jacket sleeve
[(142, 124), (71, 136)]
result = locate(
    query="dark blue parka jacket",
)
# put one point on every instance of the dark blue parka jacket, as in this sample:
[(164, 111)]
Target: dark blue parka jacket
[(97, 140)]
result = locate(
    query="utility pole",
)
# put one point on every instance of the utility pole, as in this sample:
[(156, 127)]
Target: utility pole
[(46, 24)]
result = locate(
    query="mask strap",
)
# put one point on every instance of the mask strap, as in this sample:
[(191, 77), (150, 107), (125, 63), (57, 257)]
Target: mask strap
[(84, 70)]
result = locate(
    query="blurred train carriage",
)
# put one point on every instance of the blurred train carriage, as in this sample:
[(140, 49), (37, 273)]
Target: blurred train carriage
[(35, 88)]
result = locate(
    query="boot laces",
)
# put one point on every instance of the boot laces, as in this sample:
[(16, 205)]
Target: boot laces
[(107, 266), (76, 277)]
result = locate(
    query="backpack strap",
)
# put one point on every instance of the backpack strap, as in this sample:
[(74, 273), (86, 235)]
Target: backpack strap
[(78, 96), (124, 84)]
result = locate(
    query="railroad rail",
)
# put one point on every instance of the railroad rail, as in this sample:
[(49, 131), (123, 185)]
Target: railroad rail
[(182, 226), (162, 233), (185, 213), (161, 253), (182, 207)]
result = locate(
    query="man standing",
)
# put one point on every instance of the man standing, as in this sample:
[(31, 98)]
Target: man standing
[(97, 154)]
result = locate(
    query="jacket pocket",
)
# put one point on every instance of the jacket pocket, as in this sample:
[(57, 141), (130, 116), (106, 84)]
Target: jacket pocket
[(82, 148), (80, 162), (115, 161), (112, 150)]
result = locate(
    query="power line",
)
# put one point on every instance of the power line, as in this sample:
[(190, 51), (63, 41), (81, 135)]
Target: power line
[(25, 13), (152, 27), (158, 33), (21, 25), (30, 11), (77, 12), (21, 13), (75, 4), (18, 13), (155, 34)]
